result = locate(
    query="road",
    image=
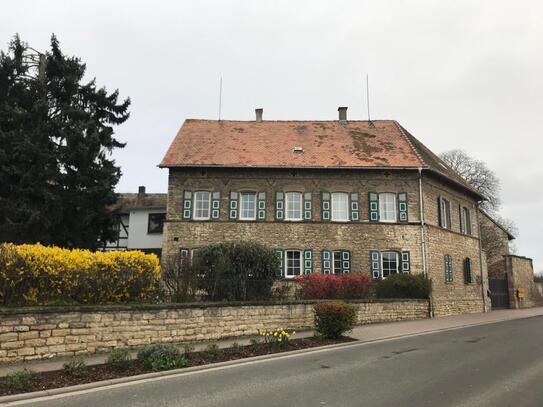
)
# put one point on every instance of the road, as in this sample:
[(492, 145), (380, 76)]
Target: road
[(495, 365)]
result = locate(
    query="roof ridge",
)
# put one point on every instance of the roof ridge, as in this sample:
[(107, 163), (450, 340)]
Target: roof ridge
[(291, 121), (402, 132)]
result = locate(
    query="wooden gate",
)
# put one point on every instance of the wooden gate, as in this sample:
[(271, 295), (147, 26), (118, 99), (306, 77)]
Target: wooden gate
[(499, 292)]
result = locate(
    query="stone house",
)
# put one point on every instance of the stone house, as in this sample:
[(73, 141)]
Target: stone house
[(330, 197)]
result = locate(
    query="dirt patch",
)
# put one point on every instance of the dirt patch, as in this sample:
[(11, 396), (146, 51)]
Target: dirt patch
[(57, 379)]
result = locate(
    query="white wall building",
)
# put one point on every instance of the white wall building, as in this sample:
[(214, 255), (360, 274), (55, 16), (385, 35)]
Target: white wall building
[(140, 222)]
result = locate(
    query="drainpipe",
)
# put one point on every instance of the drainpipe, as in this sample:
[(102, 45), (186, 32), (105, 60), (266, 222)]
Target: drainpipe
[(481, 259), (423, 239)]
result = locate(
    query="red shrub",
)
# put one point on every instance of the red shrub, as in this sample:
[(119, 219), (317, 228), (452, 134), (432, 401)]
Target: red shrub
[(323, 286)]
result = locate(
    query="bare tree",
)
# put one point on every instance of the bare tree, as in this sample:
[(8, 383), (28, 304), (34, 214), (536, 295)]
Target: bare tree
[(477, 174), (180, 278)]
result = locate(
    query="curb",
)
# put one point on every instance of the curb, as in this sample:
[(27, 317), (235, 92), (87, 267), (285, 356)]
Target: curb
[(231, 363)]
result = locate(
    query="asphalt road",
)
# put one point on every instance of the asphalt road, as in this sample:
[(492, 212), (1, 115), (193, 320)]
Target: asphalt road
[(495, 365)]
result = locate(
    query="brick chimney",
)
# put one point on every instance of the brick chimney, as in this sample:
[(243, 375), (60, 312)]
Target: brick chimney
[(259, 113), (342, 114), (141, 191)]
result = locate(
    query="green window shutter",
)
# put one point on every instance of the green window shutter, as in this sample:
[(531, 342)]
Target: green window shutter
[(467, 216), (403, 207), (467, 271), (261, 206), (449, 219), (187, 204), (215, 205), (440, 212), (375, 263), (448, 269), (373, 206), (325, 206), (406, 262), (345, 261), (279, 206), (308, 206), (462, 219), (326, 261), (308, 261), (280, 253), (355, 208), (233, 205)]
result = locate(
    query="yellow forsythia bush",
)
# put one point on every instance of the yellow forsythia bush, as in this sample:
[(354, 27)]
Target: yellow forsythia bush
[(33, 274)]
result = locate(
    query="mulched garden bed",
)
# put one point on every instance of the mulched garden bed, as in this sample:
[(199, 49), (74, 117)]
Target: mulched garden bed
[(56, 379)]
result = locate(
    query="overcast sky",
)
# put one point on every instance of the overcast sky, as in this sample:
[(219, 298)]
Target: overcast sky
[(462, 74)]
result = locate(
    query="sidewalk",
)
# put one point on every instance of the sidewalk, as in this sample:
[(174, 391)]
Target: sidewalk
[(363, 333)]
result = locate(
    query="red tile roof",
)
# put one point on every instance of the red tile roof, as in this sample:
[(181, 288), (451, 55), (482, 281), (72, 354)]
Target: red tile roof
[(325, 144)]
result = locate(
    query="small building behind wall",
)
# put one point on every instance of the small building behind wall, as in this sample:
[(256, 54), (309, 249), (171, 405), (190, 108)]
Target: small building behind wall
[(140, 222), (511, 277)]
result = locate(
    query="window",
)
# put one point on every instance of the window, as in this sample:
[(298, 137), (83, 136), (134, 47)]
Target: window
[(468, 279), (202, 205), (340, 207), (293, 263), (337, 266), (293, 206), (247, 206), (444, 213), (465, 220), (448, 269), (387, 207), (389, 263), (155, 222)]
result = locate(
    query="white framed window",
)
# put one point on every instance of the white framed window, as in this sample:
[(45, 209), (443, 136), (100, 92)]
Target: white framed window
[(387, 207), (340, 207), (336, 262), (247, 206), (293, 263), (389, 264), (202, 205), (293, 206)]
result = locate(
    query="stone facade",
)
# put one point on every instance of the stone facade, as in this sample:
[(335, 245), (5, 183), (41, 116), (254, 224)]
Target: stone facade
[(520, 276), (47, 333), (495, 242), (360, 238)]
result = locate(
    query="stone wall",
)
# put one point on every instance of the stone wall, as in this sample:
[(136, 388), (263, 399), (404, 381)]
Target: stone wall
[(520, 275), (28, 334), (458, 296)]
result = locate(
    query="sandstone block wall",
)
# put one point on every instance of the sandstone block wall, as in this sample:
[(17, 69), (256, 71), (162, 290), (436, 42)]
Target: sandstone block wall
[(47, 333), (520, 274)]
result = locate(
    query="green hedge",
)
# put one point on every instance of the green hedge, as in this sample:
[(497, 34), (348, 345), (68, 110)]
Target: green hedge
[(404, 286), (232, 271)]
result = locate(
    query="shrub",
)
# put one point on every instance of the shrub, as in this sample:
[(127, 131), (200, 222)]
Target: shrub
[(180, 278), (339, 286), (212, 350), (118, 358), (20, 380), (237, 271), (32, 274), (404, 286), (333, 319), (75, 367), (236, 347), (188, 348), (161, 357)]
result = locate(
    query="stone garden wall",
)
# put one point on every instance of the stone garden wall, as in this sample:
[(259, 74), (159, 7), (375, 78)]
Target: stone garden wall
[(46, 332)]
